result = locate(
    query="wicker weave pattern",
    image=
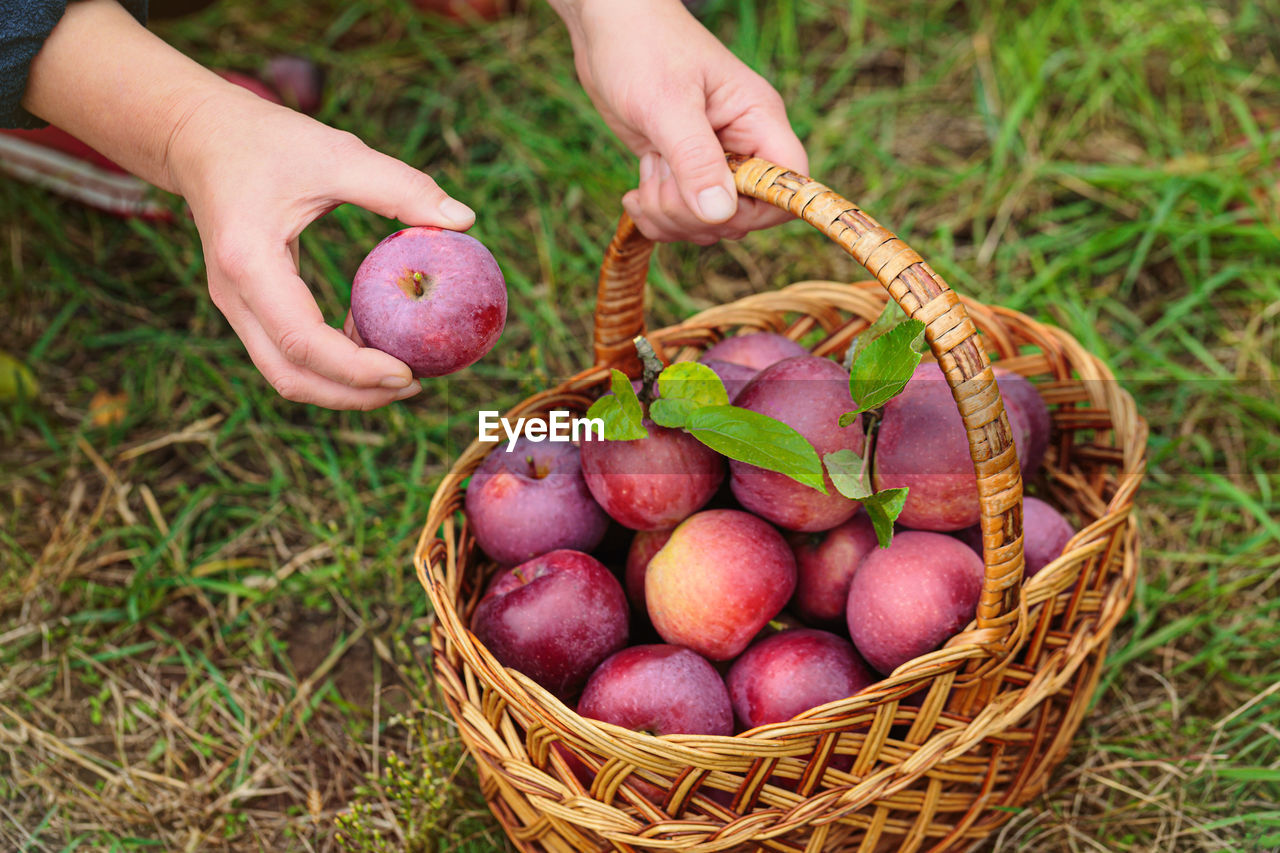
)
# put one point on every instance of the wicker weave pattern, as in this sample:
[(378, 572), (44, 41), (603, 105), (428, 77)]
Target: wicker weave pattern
[(998, 705)]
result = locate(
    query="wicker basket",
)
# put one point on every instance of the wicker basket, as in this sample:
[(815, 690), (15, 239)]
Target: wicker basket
[(1001, 701)]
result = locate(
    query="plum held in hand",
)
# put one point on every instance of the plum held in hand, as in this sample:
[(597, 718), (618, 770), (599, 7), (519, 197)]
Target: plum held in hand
[(660, 689), (433, 298), (554, 618), (529, 499), (790, 672)]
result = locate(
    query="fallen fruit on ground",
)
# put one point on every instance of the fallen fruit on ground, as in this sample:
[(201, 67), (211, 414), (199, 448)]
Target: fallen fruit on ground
[(433, 298)]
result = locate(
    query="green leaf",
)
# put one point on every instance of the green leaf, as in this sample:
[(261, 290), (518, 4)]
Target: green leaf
[(684, 387), (884, 509), (621, 411), (694, 382), (882, 369), (848, 471), (670, 413), (889, 317), (757, 440)]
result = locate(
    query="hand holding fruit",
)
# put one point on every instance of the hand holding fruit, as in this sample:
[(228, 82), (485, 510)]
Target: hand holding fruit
[(255, 175)]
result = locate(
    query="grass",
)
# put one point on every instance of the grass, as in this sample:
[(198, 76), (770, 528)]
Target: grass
[(210, 636)]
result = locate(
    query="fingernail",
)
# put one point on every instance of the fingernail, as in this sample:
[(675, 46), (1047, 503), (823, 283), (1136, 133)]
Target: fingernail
[(396, 381), (456, 212), (664, 168), (715, 204), (413, 388), (646, 166)]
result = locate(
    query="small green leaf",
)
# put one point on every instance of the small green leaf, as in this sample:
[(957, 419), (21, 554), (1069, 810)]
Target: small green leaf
[(682, 388), (882, 369), (848, 471), (757, 440), (884, 509), (670, 413), (889, 317), (621, 411), (694, 382)]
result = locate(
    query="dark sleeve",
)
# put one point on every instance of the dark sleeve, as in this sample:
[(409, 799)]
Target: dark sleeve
[(24, 25)]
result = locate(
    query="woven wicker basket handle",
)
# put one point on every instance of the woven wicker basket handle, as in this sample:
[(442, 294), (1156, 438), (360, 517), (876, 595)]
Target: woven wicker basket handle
[(924, 296)]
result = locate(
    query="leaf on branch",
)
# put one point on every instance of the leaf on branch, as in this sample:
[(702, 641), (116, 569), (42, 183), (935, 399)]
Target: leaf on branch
[(884, 509), (758, 440), (882, 368), (621, 411), (684, 387), (848, 471)]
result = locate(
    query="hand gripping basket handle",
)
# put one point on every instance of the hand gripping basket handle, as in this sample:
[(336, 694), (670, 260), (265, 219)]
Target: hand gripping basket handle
[(951, 335)]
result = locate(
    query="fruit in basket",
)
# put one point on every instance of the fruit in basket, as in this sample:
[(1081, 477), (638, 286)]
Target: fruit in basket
[(433, 298), (907, 599), (660, 689), (790, 672), (1045, 533), (530, 498), (720, 578), (652, 483), (734, 376), (922, 445), (808, 394), (644, 545), (554, 618), (1030, 415), (756, 350), (825, 563)]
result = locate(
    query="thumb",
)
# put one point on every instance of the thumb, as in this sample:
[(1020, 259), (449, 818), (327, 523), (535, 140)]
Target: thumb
[(396, 190), (687, 143)]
